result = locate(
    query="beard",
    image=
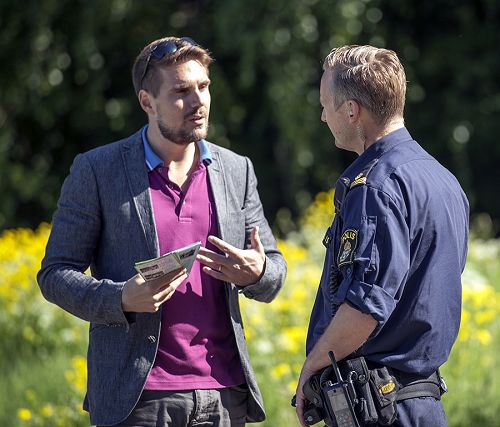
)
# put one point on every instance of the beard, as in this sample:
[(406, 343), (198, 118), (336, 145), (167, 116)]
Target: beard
[(182, 136)]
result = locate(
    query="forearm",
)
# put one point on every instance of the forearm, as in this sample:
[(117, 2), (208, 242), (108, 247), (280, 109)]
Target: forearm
[(347, 331), (97, 301)]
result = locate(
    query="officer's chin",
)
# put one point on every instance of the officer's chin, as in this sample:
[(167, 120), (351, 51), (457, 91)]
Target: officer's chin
[(339, 144)]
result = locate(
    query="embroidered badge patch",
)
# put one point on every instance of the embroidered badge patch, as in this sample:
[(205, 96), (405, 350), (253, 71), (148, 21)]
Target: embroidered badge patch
[(348, 243), (360, 179)]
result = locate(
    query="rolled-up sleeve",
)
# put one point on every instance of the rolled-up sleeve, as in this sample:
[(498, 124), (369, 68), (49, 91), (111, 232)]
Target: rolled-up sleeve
[(373, 255)]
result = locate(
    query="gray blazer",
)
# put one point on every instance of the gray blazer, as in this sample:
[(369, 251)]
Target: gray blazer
[(105, 220)]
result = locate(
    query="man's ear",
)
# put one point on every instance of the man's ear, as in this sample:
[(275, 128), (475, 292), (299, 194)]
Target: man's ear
[(147, 102), (353, 109)]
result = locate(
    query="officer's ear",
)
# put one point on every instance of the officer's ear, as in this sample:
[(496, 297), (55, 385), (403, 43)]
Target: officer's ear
[(353, 110)]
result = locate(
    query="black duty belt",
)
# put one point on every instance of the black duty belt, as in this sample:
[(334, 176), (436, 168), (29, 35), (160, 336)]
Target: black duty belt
[(412, 385)]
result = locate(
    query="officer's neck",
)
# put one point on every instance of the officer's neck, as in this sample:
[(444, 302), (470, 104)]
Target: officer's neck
[(369, 132)]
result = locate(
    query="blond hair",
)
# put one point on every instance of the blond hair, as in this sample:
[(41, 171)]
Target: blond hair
[(371, 76)]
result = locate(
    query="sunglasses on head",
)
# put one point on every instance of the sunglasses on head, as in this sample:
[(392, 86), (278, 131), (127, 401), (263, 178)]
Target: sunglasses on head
[(164, 48)]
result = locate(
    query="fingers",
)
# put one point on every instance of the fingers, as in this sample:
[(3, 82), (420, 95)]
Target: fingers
[(217, 273), (166, 293), (167, 279), (212, 260), (299, 408), (224, 246), (300, 412), (206, 256), (255, 240)]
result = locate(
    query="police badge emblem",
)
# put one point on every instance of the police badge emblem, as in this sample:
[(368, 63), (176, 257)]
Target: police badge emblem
[(348, 243)]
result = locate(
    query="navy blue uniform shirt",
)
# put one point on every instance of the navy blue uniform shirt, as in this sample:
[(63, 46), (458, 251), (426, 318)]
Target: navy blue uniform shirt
[(397, 248)]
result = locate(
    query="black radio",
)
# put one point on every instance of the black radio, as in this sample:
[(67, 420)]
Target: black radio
[(330, 398), (339, 405)]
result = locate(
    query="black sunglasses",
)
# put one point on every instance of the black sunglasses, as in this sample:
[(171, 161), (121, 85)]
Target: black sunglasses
[(167, 47)]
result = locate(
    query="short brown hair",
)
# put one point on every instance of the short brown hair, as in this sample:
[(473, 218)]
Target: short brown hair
[(149, 79), (371, 76)]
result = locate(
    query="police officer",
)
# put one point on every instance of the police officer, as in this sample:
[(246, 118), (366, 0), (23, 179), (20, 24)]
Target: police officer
[(391, 288)]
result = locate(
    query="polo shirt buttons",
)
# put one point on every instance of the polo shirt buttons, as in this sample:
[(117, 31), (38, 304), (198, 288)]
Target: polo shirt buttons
[(152, 339)]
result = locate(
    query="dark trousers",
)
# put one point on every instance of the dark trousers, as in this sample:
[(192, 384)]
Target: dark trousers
[(226, 407), (420, 412)]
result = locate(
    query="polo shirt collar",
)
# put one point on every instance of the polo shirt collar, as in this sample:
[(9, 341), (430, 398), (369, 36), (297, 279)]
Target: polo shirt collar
[(153, 161)]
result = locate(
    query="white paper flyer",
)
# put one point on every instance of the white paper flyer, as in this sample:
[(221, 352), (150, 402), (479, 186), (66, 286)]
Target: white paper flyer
[(157, 267)]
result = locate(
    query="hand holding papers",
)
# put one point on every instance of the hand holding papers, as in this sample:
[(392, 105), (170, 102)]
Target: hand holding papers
[(180, 258)]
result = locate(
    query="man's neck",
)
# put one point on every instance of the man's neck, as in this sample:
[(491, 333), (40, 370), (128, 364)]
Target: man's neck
[(172, 154), (181, 160), (371, 133)]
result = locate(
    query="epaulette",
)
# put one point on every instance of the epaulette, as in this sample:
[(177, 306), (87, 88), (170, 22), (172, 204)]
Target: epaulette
[(361, 178), (344, 185)]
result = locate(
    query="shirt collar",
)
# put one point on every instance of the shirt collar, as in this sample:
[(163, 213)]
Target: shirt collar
[(153, 161), (376, 150)]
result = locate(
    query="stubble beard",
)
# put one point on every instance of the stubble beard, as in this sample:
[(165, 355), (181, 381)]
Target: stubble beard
[(182, 136)]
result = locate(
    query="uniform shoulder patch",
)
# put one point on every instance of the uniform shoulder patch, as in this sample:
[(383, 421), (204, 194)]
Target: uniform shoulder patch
[(348, 244), (362, 177), (359, 180)]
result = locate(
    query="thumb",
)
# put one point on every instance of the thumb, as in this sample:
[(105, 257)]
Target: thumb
[(255, 240)]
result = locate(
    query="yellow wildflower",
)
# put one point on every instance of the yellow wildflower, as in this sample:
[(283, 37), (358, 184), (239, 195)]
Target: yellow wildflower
[(281, 370), (484, 336), (24, 414), (47, 411)]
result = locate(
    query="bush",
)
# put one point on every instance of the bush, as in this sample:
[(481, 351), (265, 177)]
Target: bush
[(43, 347)]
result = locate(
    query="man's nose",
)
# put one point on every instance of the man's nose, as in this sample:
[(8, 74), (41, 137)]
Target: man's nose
[(196, 98)]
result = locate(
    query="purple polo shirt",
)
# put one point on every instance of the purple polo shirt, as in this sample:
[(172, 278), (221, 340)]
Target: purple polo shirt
[(197, 348)]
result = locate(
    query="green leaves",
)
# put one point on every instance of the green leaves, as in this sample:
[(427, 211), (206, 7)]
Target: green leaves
[(65, 87)]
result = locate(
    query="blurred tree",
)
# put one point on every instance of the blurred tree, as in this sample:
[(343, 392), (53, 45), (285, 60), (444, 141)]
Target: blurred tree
[(65, 87)]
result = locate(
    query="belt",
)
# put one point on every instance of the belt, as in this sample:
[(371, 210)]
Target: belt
[(413, 385)]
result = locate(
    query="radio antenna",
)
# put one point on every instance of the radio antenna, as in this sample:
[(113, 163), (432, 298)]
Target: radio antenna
[(335, 366)]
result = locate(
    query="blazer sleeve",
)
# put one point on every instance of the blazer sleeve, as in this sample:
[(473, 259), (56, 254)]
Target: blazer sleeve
[(270, 283), (74, 238)]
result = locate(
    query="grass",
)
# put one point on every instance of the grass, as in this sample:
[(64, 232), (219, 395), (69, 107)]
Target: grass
[(29, 381)]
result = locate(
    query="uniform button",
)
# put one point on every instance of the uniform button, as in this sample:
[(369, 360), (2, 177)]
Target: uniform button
[(152, 338)]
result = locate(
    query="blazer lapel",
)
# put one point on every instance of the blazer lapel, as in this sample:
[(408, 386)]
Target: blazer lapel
[(138, 183), (218, 186)]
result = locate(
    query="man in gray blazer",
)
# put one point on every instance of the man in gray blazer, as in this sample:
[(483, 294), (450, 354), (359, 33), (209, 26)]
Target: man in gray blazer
[(169, 351)]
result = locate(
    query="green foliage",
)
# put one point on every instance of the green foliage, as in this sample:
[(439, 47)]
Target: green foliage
[(65, 87), (42, 348)]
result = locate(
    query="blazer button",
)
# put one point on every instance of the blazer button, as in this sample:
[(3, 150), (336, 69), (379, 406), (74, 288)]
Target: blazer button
[(152, 338)]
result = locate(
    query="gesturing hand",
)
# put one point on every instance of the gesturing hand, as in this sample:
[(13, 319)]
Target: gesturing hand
[(147, 297), (239, 266)]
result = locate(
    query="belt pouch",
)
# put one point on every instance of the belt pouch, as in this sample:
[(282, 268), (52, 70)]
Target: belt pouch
[(365, 405), (384, 390)]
